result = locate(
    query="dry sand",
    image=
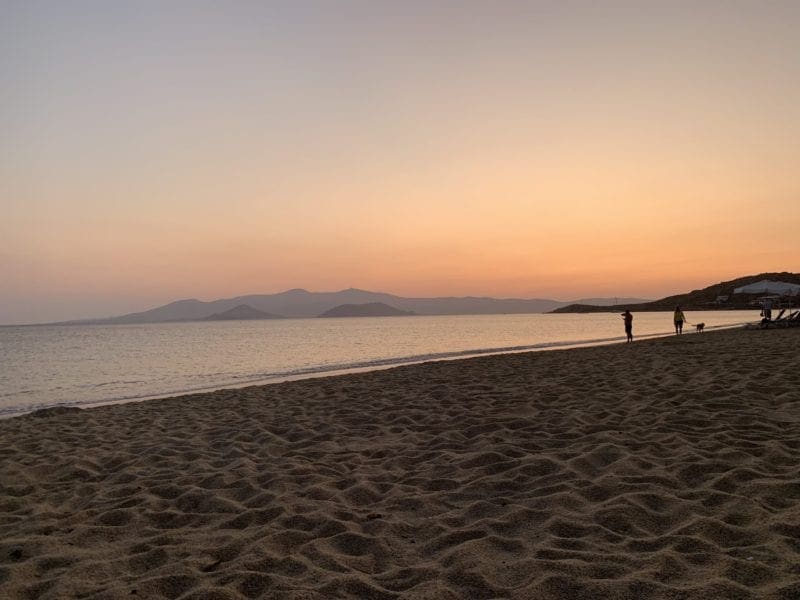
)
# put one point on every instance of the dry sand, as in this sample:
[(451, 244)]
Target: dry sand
[(664, 469)]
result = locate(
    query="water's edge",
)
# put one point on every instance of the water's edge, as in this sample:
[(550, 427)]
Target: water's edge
[(335, 369)]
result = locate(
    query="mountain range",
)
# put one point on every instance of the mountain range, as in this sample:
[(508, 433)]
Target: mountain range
[(299, 303)]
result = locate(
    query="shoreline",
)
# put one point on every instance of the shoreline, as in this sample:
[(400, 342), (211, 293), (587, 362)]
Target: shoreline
[(661, 469), (367, 366)]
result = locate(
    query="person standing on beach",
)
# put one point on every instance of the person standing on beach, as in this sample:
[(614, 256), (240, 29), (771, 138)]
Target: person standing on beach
[(628, 324), (766, 308), (678, 318)]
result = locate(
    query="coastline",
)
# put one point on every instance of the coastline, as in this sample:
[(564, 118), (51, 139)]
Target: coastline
[(339, 370), (69, 383), (666, 468)]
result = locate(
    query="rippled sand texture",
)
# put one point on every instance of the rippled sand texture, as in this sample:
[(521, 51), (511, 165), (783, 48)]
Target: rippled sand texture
[(665, 469)]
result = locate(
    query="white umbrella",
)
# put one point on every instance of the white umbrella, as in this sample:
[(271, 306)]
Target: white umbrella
[(766, 286)]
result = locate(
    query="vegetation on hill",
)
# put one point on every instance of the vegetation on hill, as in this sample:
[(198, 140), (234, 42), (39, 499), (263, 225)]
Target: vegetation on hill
[(719, 296)]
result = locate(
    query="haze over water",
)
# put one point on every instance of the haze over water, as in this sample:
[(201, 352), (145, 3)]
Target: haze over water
[(50, 365)]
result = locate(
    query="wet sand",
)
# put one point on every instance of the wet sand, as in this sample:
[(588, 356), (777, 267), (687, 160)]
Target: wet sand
[(668, 468)]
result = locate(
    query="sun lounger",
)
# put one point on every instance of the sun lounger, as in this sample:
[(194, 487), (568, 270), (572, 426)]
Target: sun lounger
[(790, 320)]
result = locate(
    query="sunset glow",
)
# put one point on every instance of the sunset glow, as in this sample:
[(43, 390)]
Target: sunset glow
[(150, 154)]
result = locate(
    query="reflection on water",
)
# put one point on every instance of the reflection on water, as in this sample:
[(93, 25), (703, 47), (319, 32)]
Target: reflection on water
[(44, 366)]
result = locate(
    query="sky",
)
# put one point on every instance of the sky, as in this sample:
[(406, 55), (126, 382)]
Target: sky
[(151, 151)]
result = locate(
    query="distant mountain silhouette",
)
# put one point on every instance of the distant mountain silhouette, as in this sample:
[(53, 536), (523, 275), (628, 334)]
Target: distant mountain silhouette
[(241, 312), (371, 309), (713, 297), (299, 303), (609, 301)]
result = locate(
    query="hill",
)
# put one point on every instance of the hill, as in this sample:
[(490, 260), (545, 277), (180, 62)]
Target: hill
[(241, 312), (299, 303), (719, 296), (370, 309), (610, 301)]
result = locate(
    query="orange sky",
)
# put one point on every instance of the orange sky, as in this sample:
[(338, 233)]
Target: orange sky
[(538, 151)]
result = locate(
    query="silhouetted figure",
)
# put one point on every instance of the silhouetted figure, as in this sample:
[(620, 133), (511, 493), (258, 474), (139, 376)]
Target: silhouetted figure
[(628, 317), (678, 318)]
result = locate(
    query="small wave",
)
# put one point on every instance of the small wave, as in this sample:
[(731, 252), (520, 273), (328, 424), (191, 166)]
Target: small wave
[(120, 382), (17, 393)]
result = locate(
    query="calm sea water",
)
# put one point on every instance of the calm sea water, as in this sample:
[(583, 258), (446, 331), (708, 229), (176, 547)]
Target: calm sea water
[(82, 365)]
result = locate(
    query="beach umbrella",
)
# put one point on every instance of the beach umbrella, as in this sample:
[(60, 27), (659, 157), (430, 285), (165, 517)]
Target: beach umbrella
[(766, 286)]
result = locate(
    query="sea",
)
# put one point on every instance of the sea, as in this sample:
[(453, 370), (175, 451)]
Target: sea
[(83, 365)]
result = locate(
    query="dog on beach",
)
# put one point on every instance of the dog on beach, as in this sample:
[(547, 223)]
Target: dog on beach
[(700, 327)]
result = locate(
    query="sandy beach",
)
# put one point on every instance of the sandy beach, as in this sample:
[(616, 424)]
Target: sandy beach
[(668, 468)]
